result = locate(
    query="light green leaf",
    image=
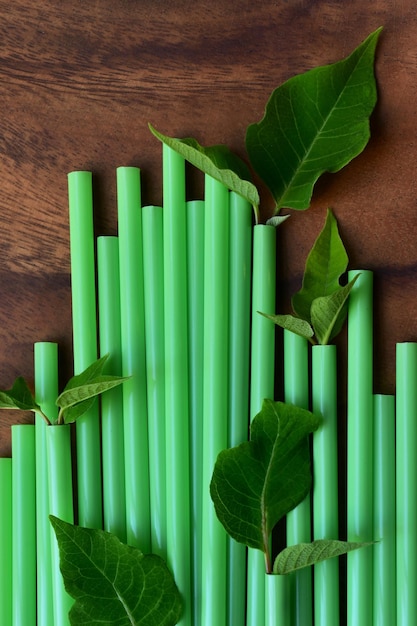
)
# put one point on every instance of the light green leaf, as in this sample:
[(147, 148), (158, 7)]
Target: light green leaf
[(294, 324), (325, 265), (315, 122), (219, 163), (19, 397), (75, 401), (305, 554), (277, 220), (256, 483), (113, 583), (329, 313), (90, 373)]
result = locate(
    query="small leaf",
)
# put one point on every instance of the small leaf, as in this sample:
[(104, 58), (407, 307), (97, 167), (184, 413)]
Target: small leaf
[(277, 220), (19, 397), (329, 313), (92, 371), (305, 554), (113, 583), (256, 483), (325, 264), (75, 401), (294, 324), (315, 122), (219, 163)]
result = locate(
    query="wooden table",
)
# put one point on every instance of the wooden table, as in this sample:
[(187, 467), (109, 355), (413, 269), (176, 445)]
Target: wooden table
[(79, 84)]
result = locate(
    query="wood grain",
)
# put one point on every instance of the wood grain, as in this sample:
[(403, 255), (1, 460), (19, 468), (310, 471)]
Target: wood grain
[(79, 83)]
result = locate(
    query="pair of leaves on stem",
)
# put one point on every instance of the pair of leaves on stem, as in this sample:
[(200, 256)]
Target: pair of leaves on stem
[(315, 122), (258, 482), (320, 305), (76, 399), (113, 583)]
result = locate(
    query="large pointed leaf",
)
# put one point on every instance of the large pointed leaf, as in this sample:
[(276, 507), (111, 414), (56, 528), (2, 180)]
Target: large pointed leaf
[(325, 265), (291, 323), (256, 483), (113, 583), (305, 554), (219, 163), (329, 313), (315, 122), (18, 397)]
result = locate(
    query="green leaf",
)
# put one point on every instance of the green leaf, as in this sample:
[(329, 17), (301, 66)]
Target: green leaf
[(315, 122), (19, 397), (113, 583), (80, 392), (325, 265), (294, 324), (76, 401), (219, 163), (328, 313), (256, 483), (305, 554)]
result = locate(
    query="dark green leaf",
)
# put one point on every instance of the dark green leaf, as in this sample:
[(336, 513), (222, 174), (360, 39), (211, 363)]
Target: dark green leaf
[(329, 313), (315, 122), (325, 265), (256, 483), (113, 583), (219, 163), (18, 397), (294, 324), (305, 554), (90, 373)]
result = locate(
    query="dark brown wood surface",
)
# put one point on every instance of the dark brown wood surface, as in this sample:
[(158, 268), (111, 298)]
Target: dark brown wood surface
[(79, 81)]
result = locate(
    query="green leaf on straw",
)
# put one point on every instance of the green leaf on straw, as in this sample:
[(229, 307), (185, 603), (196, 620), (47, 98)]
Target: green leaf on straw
[(304, 554), (113, 583), (219, 163), (325, 264), (19, 397), (328, 313), (82, 389), (292, 323), (256, 483), (315, 122)]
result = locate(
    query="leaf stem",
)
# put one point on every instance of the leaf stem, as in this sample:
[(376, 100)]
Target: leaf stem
[(43, 416)]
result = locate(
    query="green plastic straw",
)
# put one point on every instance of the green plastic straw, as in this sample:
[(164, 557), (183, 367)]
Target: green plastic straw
[(85, 343), (277, 600), (384, 511), (239, 341), (406, 483), (138, 524), (176, 377), (24, 525), (215, 394), (262, 382), (153, 271), (296, 391), (195, 278), (46, 392), (6, 591), (58, 442), (325, 490), (114, 495), (360, 449)]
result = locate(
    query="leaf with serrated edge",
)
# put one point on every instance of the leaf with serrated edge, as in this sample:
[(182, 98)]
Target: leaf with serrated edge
[(325, 264), (294, 324), (256, 483), (329, 313), (113, 583), (18, 397), (219, 163), (305, 554), (314, 122), (74, 396)]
